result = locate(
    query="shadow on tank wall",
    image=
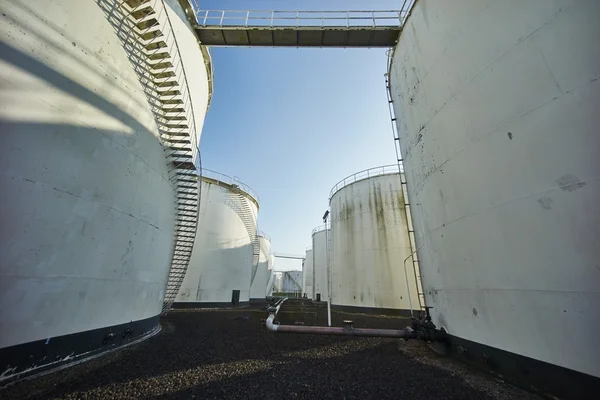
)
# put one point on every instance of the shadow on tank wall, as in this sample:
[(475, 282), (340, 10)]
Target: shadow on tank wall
[(37, 68), (79, 139)]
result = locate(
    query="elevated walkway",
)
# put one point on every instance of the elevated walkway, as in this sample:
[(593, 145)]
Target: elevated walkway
[(299, 28)]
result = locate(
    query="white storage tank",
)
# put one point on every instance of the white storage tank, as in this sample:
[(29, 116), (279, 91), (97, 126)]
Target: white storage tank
[(497, 107), (277, 281), (321, 249), (292, 282), (258, 284), (220, 270), (88, 209), (271, 274), (370, 239), (307, 274)]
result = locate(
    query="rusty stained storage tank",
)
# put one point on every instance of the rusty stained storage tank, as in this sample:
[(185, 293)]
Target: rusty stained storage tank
[(370, 241), (221, 266), (497, 108)]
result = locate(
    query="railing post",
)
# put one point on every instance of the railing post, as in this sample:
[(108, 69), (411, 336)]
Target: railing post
[(297, 18), (205, 17), (222, 16), (272, 15), (347, 19), (373, 17), (400, 17), (247, 16)]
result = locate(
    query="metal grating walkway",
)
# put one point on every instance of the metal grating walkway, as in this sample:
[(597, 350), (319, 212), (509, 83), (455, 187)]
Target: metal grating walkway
[(299, 28)]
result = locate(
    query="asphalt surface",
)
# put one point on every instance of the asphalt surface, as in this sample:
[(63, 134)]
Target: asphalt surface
[(228, 354)]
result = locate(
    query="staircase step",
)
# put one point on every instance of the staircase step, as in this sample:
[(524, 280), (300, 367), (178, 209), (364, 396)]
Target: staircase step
[(161, 75), (168, 135), (155, 45), (186, 213), (184, 164), (150, 34), (170, 128), (185, 196), (147, 21), (185, 186), (141, 12), (161, 65), (179, 140), (188, 204), (185, 237), (192, 224), (171, 101), (168, 92), (176, 117), (172, 110), (165, 81)]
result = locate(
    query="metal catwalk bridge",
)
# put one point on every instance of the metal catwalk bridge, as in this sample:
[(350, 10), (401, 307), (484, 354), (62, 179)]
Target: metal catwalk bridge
[(300, 28)]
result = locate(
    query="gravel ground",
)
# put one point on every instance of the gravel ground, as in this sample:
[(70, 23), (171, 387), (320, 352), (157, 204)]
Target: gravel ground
[(228, 354)]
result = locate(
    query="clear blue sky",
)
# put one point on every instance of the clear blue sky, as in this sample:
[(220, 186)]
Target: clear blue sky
[(290, 123)]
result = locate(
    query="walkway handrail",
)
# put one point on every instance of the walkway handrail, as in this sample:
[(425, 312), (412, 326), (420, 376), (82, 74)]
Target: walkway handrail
[(304, 18), (321, 228), (234, 181), (364, 174), (264, 235)]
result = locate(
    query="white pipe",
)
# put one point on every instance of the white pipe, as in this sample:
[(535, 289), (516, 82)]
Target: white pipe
[(328, 276), (408, 285), (269, 323)]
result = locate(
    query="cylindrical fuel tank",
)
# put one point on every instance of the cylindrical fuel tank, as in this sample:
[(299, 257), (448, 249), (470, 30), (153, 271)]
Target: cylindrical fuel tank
[(497, 108), (258, 286), (292, 282), (88, 209), (370, 238), (277, 281), (271, 273), (220, 269), (307, 274), (321, 250)]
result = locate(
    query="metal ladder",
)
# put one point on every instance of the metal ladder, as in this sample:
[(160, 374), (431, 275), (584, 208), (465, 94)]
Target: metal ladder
[(238, 203), (148, 38), (409, 226)]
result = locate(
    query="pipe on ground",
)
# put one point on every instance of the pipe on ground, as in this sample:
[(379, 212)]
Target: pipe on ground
[(347, 330)]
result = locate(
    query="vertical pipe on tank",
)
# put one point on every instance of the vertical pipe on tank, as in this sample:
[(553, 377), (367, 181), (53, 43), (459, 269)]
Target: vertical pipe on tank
[(407, 285), (327, 269)]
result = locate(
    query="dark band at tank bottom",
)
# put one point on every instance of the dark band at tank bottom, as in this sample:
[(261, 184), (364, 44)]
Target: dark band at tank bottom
[(374, 311), (258, 301), (42, 355), (532, 375), (197, 304)]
